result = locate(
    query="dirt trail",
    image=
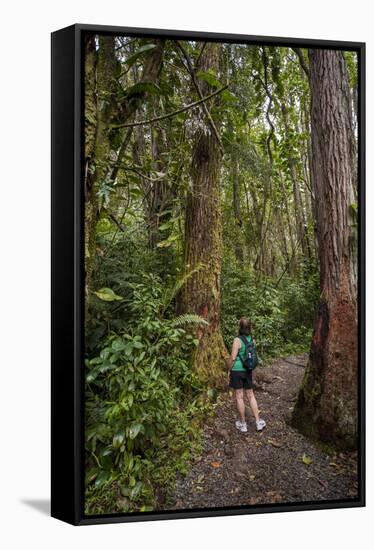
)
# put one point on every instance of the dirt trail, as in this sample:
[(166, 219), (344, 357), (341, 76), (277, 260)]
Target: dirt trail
[(276, 465)]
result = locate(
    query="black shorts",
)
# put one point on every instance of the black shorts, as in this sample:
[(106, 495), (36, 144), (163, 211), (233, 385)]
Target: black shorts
[(241, 379)]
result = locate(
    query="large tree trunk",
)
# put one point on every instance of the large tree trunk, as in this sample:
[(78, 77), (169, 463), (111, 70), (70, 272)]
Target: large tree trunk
[(203, 238), (327, 402)]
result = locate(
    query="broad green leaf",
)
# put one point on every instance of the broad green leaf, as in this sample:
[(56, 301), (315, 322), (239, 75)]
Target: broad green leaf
[(106, 462), (91, 475), (107, 295), (228, 96), (135, 429), (143, 87), (96, 361), (138, 345), (209, 77), (118, 344), (118, 440), (146, 48), (168, 242), (103, 476), (91, 377), (136, 490), (165, 226)]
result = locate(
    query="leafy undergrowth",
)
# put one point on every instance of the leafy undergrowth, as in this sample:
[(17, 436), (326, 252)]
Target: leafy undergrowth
[(281, 313), (143, 407), (147, 481)]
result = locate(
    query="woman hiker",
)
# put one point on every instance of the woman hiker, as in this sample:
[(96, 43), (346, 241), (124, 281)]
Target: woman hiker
[(240, 378)]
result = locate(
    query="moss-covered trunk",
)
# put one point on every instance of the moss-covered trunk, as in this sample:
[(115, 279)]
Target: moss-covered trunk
[(327, 402), (100, 69), (203, 236), (90, 118)]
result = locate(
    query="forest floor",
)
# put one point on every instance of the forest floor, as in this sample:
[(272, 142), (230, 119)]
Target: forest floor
[(277, 465)]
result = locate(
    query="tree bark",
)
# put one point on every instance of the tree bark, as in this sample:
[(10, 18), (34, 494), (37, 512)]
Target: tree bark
[(90, 115), (238, 245), (203, 237), (298, 205), (327, 402)]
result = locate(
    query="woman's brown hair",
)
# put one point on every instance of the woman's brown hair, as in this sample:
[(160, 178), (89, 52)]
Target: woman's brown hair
[(245, 327)]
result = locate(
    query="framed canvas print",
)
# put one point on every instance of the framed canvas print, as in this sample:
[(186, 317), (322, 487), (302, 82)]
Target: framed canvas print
[(207, 274)]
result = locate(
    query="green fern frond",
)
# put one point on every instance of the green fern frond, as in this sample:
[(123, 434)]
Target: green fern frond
[(171, 292), (189, 319)]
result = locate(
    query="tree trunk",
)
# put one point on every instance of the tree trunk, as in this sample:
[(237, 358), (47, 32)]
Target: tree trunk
[(99, 99), (238, 245), (203, 238), (327, 402), (291, 263), (302, 237), (90, 122), (160, 196)]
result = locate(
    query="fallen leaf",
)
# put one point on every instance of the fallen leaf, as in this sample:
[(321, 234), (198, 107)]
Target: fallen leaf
[(306, 459), (274, 443), (216, 464)]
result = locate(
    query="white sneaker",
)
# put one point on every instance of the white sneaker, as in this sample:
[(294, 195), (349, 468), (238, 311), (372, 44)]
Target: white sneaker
[(260, 425), (241, 426)]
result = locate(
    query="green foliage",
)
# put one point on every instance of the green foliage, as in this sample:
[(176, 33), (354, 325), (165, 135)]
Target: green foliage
[(107, 295), (282, 316), (144, 402), (141, 397), (140, 52), (141, 87)]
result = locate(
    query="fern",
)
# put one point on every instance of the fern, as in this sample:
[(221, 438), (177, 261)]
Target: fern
[(171, 292), (189, 319)]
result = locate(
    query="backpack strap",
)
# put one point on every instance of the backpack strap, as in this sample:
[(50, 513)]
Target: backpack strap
[(246, 343)]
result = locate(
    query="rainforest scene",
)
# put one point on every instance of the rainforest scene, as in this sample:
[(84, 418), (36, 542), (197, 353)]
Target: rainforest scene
[(220, 183)]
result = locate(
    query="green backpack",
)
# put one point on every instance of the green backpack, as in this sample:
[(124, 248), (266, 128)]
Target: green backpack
[(250, 360)]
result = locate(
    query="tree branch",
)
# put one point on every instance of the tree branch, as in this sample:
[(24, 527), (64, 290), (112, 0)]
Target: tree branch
[(200, 54), (303, 63), (115, 221), (121, 152), (130, 169), (169, 115)]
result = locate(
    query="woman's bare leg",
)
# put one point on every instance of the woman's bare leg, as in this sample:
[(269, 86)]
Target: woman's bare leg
[(253, 403), (239, 395)]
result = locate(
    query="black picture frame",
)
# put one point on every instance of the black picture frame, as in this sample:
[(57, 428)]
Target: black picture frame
[(67, 389)]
